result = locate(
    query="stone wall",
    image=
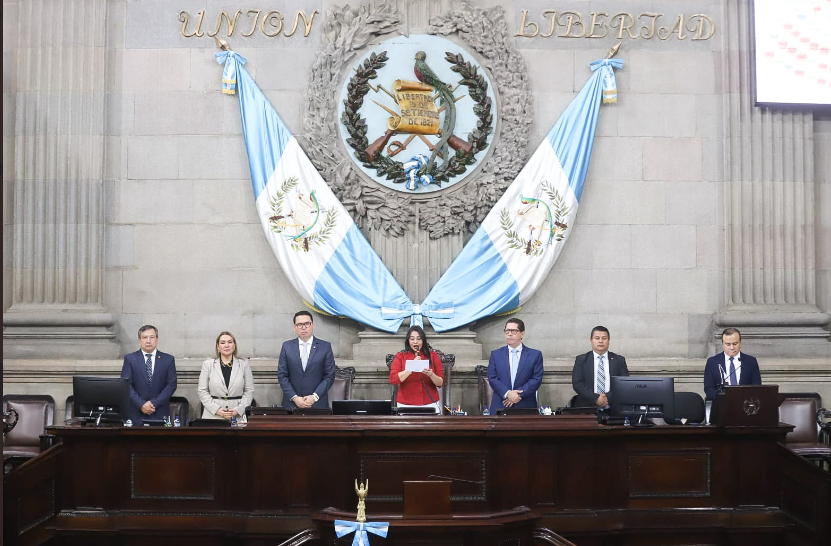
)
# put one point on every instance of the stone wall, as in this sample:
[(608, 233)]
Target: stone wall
[(127, 199)]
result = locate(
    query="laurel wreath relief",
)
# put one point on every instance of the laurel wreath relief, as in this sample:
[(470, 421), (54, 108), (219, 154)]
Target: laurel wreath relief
[(394, 170), (533, 246), (349, 30), (278, 223)]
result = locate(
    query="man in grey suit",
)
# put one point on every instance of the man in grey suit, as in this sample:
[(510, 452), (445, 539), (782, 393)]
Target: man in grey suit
[(306, 369), (591, 377)]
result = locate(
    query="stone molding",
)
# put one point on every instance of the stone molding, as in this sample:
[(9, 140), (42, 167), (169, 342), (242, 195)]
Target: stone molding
[(58, 216), (769, 196)]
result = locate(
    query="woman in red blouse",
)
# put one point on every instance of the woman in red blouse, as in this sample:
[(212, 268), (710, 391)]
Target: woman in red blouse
[(417, 388)]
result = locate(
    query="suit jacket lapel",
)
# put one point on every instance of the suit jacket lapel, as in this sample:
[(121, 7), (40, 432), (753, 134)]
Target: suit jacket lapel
[(505, 363), (216, 371), (522, 359), (312, 351), (588, 368), (295, 351), (235, 371)]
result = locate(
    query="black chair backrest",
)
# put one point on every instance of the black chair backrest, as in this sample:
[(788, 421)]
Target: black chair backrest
[(815, 395), (485, 390), (801, 413), (35, 413), (341, 389), (689, 406), (180, 406)]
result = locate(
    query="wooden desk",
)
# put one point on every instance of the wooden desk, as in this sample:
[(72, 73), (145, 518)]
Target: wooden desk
[(266, 482), (482, 529)]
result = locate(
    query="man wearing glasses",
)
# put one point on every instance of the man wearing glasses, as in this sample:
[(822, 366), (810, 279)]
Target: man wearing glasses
[(306, 369), (514, 371)]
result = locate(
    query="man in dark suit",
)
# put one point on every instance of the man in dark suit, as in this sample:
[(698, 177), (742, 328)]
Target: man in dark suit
[(730, 367), (514, 371), (152, 377), (593, 371), (306, 369)]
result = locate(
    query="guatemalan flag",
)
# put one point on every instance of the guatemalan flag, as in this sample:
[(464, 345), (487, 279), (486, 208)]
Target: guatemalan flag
[(321, 250), (511, 253)]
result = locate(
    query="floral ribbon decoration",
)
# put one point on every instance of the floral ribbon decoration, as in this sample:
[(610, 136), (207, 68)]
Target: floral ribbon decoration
[(411, 169), (343, 528), (229, 73), (609, 84)]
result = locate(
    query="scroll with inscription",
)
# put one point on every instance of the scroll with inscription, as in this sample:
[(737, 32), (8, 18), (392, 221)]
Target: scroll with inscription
[(419, 114)]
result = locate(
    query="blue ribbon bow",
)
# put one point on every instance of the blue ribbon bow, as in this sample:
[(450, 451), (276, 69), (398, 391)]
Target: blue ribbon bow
[(411, 169), (229, 73), (343, 528), (609, 84), (417, 312)]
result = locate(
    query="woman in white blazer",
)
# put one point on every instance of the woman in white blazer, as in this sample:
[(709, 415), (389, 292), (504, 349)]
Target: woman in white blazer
[(226, 384)]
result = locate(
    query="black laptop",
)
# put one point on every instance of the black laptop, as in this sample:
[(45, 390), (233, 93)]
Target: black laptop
[(362, 407)]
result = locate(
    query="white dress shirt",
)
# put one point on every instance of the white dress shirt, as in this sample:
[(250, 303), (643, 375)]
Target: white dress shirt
[(737, 361), (308, 350)]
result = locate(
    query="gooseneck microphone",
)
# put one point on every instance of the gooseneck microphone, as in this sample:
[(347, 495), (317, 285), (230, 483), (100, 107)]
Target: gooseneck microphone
[(723, 383), (455, 479)]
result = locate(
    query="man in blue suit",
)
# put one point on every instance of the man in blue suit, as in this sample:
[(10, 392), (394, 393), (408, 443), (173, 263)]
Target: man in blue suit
[(306, 369), (730, 367), (152, 377), (514, 371)]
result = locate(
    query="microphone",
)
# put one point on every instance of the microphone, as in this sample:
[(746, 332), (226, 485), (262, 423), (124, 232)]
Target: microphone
[(721, 376), (724, 374), (456, 479)]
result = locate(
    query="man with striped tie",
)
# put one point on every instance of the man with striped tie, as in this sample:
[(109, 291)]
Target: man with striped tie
[(731, 367), (593, 371), (514, 371), (152, 375)]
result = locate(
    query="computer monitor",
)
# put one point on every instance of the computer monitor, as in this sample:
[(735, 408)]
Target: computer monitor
[(647, 396), (362, 407), (105, 397)]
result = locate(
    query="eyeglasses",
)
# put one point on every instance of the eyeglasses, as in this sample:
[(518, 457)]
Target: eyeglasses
[(512, 331), (303, 325)]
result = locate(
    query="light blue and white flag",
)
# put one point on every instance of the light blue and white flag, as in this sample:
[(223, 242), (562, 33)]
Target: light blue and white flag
[(361, 538), (511, 253), (321, 250)]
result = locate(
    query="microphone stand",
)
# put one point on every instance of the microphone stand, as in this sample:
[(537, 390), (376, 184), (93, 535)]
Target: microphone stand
[(722, 373)]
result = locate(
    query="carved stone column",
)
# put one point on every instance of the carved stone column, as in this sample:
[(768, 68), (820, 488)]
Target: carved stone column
[(770, 248), (57, 215)]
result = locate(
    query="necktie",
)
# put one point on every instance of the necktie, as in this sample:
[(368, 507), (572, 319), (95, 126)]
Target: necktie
[(514, 364), (304, 355), (148, 365), (733, 380), (601, 376)]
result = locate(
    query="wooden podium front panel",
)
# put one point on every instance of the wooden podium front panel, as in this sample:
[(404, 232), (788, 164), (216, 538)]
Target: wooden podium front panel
[(582, 479), (389, 470), (173, 475), (678, 473), (747, 406)]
